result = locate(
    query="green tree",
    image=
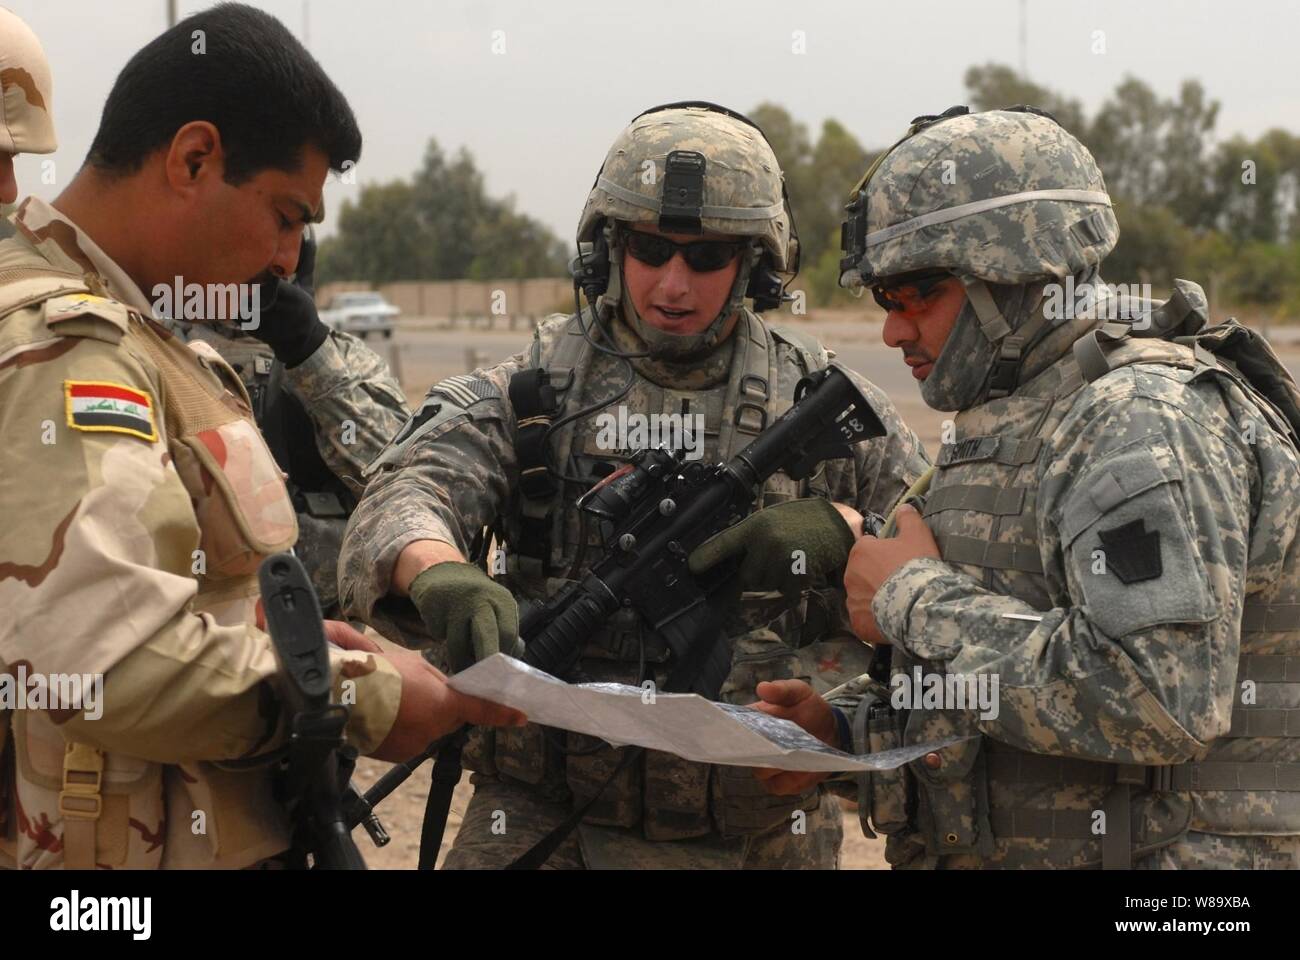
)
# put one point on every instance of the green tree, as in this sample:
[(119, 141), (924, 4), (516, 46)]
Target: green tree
[(1153, 247), (441, 225), (994, 86), (818, 177), (379, 238)]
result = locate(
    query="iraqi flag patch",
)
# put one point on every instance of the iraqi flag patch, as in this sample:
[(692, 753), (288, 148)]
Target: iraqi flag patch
[(96, 406)]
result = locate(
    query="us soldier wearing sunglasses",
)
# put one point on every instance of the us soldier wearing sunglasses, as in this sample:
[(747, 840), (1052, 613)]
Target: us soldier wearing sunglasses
[(686, 222), (1111, 534)]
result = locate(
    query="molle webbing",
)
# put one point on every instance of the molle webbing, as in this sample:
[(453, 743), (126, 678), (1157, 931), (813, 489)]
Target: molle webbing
[(1270, 673), (998, 501), (1272, 618), (985, 553), (1179, 777), (751, 387), (1003, 450)]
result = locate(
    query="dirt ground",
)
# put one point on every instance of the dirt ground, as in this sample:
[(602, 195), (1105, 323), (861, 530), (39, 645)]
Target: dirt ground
[(426, 356)]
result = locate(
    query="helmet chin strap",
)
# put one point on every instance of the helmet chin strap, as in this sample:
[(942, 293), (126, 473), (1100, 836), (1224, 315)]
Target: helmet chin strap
[(662, 344), (1011, 347)]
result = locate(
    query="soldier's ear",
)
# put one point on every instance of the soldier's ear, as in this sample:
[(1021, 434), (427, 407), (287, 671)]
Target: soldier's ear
[(194, 153)]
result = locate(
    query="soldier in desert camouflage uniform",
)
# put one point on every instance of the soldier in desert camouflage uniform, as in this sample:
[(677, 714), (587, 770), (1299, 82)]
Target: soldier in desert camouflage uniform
[(1110, 531), (139, 498), (26, 100), (688, 217)]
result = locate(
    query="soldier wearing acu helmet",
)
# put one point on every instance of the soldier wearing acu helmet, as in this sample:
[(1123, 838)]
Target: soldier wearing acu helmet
[(686, 222), (27, 102), (1110, 533)]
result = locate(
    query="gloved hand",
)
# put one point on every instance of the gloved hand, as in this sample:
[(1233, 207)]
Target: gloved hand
[(766, 543), (288, 322), (476, 614)]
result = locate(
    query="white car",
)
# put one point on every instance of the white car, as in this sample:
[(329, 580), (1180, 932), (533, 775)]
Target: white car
[(360, 312)]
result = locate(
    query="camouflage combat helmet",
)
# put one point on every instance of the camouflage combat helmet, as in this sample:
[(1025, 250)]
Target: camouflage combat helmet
[(692, 168), (28, 125), (1008, 196), (1005, 200)]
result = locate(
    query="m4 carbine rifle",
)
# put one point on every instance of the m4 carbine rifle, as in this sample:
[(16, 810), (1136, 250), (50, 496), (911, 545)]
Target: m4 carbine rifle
[(658, 508)]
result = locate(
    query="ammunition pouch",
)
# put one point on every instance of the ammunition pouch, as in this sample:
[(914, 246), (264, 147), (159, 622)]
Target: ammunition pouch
[(885, 802)]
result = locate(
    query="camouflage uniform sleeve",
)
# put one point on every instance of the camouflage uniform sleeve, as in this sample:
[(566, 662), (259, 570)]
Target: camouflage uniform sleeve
[(95, 561), (448, 473), (1144, 520), (353, 400), (886, 466)]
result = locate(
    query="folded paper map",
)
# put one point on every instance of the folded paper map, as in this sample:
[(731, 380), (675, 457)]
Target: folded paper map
[(685, 724)]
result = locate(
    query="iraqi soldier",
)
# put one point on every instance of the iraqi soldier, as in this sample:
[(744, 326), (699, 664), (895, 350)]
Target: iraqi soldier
[(1109, 535), (27, 99), (139, 499), (686, 222)]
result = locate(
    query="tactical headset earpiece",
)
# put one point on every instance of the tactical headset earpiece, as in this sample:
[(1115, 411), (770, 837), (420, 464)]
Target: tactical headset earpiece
[(591, 268)]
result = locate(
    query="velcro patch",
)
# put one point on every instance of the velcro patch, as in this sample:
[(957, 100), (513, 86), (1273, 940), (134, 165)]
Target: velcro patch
[(98, 406), (466, 390), (86, 315), (1133, 552), (75, 304)]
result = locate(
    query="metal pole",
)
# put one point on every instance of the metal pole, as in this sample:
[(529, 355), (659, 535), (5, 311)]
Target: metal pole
[(1024, 40)]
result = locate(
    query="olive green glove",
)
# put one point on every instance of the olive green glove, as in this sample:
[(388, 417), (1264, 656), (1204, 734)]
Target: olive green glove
[(767, 543), (476, 615)]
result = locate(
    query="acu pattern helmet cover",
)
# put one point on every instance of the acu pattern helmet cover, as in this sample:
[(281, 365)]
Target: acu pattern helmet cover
[(743, 184), (690, 167), (1008, 196)]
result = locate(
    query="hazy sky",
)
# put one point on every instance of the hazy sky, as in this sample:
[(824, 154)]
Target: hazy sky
[(539, 116)]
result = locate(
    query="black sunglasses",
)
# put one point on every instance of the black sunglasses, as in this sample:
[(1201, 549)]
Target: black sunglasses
[(899, 293), (702, 256)]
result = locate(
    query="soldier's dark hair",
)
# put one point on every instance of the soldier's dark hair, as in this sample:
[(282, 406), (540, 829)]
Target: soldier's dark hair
[(252, 79)]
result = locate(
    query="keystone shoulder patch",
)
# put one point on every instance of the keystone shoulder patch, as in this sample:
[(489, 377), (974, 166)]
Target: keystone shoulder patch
[(99, 406), (1133, 552)]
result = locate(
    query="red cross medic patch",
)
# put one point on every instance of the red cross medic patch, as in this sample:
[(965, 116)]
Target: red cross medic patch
[(99, 406)]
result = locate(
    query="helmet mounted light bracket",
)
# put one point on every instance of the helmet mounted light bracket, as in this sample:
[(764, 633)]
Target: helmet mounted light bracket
[(682, 205)]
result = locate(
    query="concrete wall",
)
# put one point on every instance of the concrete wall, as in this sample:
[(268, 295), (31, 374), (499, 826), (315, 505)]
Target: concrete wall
[(457, 299)]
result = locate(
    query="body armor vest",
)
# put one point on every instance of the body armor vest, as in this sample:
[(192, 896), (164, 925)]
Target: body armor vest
[(321, 501), (670, 798), (1040, 809)]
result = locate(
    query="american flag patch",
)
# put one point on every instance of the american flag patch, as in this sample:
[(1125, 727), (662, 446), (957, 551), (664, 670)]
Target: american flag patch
[(95, 405), (466, 390)]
